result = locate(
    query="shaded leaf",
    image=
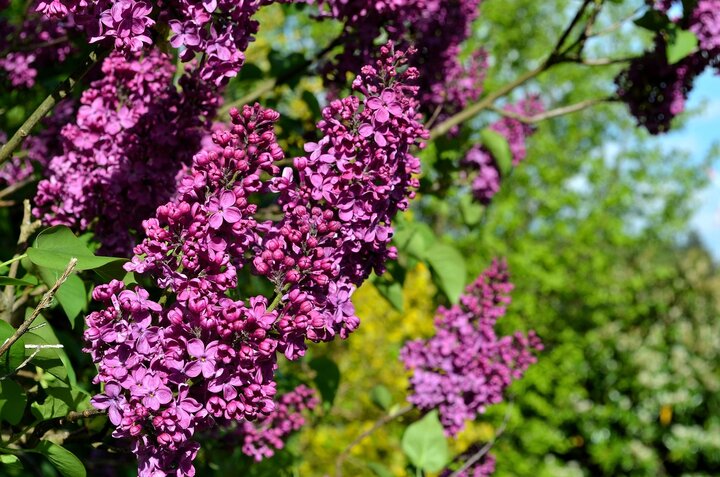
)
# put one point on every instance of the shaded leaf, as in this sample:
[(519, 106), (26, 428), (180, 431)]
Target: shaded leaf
[(12, 401), (327, 378), (448, 266), (499, 149), (62, 459), (425, 444)]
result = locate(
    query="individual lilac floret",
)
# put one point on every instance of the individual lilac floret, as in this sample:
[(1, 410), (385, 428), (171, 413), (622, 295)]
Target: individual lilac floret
[(484, 467), (133, 133), (480, 165), (262, 438), (466, 366)]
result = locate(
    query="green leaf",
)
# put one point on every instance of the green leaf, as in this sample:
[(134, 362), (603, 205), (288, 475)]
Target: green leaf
[(54, 248), (391, 290), (15, 355), (681, 44), (470, 210), (425, 444), (12, 401), (327, 378), (653, 20), (10, 462), (414, 238), (379, 469), (14, 282), (64, 461), (71, 295), (499, 148), (449, 269), (381, 397)]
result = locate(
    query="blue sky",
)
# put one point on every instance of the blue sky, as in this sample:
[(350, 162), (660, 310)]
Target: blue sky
[(697, 137)]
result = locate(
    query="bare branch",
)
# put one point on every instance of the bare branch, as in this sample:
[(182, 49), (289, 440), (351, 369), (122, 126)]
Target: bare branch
[(486, 448), (552, 113)]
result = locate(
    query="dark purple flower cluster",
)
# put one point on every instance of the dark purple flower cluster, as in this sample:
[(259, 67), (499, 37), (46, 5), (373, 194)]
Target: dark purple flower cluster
[(35, 44), (262, 438), (203, 357), (219, 29), (38, 148), (466, 366), (133, 133), (436, 28), (484, 467), (479, 165), (655, 90)]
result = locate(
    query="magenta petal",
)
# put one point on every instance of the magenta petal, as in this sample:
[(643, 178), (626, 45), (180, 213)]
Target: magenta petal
[(380, 139), (388, 96), (374, 103), (395, 109), (215, 221), (227, 199), (382, 115), (196, 348), (164, 396), (366, 130), (193, 369), (115, 416), (232, 215)]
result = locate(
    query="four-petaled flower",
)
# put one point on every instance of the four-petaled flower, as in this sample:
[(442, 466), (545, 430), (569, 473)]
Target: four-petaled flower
[(223, 210), (205, 362)]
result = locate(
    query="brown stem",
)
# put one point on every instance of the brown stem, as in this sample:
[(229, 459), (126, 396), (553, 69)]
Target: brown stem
[(46, 106), (552, 113), (73, 416), (44, 303), (27, 228), (486, 448), (378, 424)]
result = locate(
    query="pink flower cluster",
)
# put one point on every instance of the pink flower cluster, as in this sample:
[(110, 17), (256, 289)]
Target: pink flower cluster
[(133, 133), (262, 438), (218, 29), (204, 357), (466, 366), (654, 90), (436, 28), (480, 167), (35, 44)]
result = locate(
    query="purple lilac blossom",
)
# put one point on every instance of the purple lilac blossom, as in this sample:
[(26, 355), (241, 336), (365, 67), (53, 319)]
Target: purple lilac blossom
[(203, 358), (219, 29), (654, 90), (436, 28), (484, 467), (481, 169), (466, 366), (263, 437), (133, 133)]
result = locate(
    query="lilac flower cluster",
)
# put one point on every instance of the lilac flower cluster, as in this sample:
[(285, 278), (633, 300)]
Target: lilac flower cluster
[(655, 90), (435, 28), (203, 357), (466, 366), (36, 44), (262, 438), (134, 131), (484, 467), (480, 167), (38, 148), (220, 30)]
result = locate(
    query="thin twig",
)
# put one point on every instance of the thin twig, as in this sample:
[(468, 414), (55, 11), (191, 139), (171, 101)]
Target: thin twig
[(617, 25), (37, 349), (552, 113), (45, 302), (27, 228), (12, 188), (378, 424), (566, 33), (71, 417), (486, 448), (46, 106)]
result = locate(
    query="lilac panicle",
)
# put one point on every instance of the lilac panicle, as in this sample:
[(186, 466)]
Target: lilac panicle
[(204, 358), (466, 366)]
